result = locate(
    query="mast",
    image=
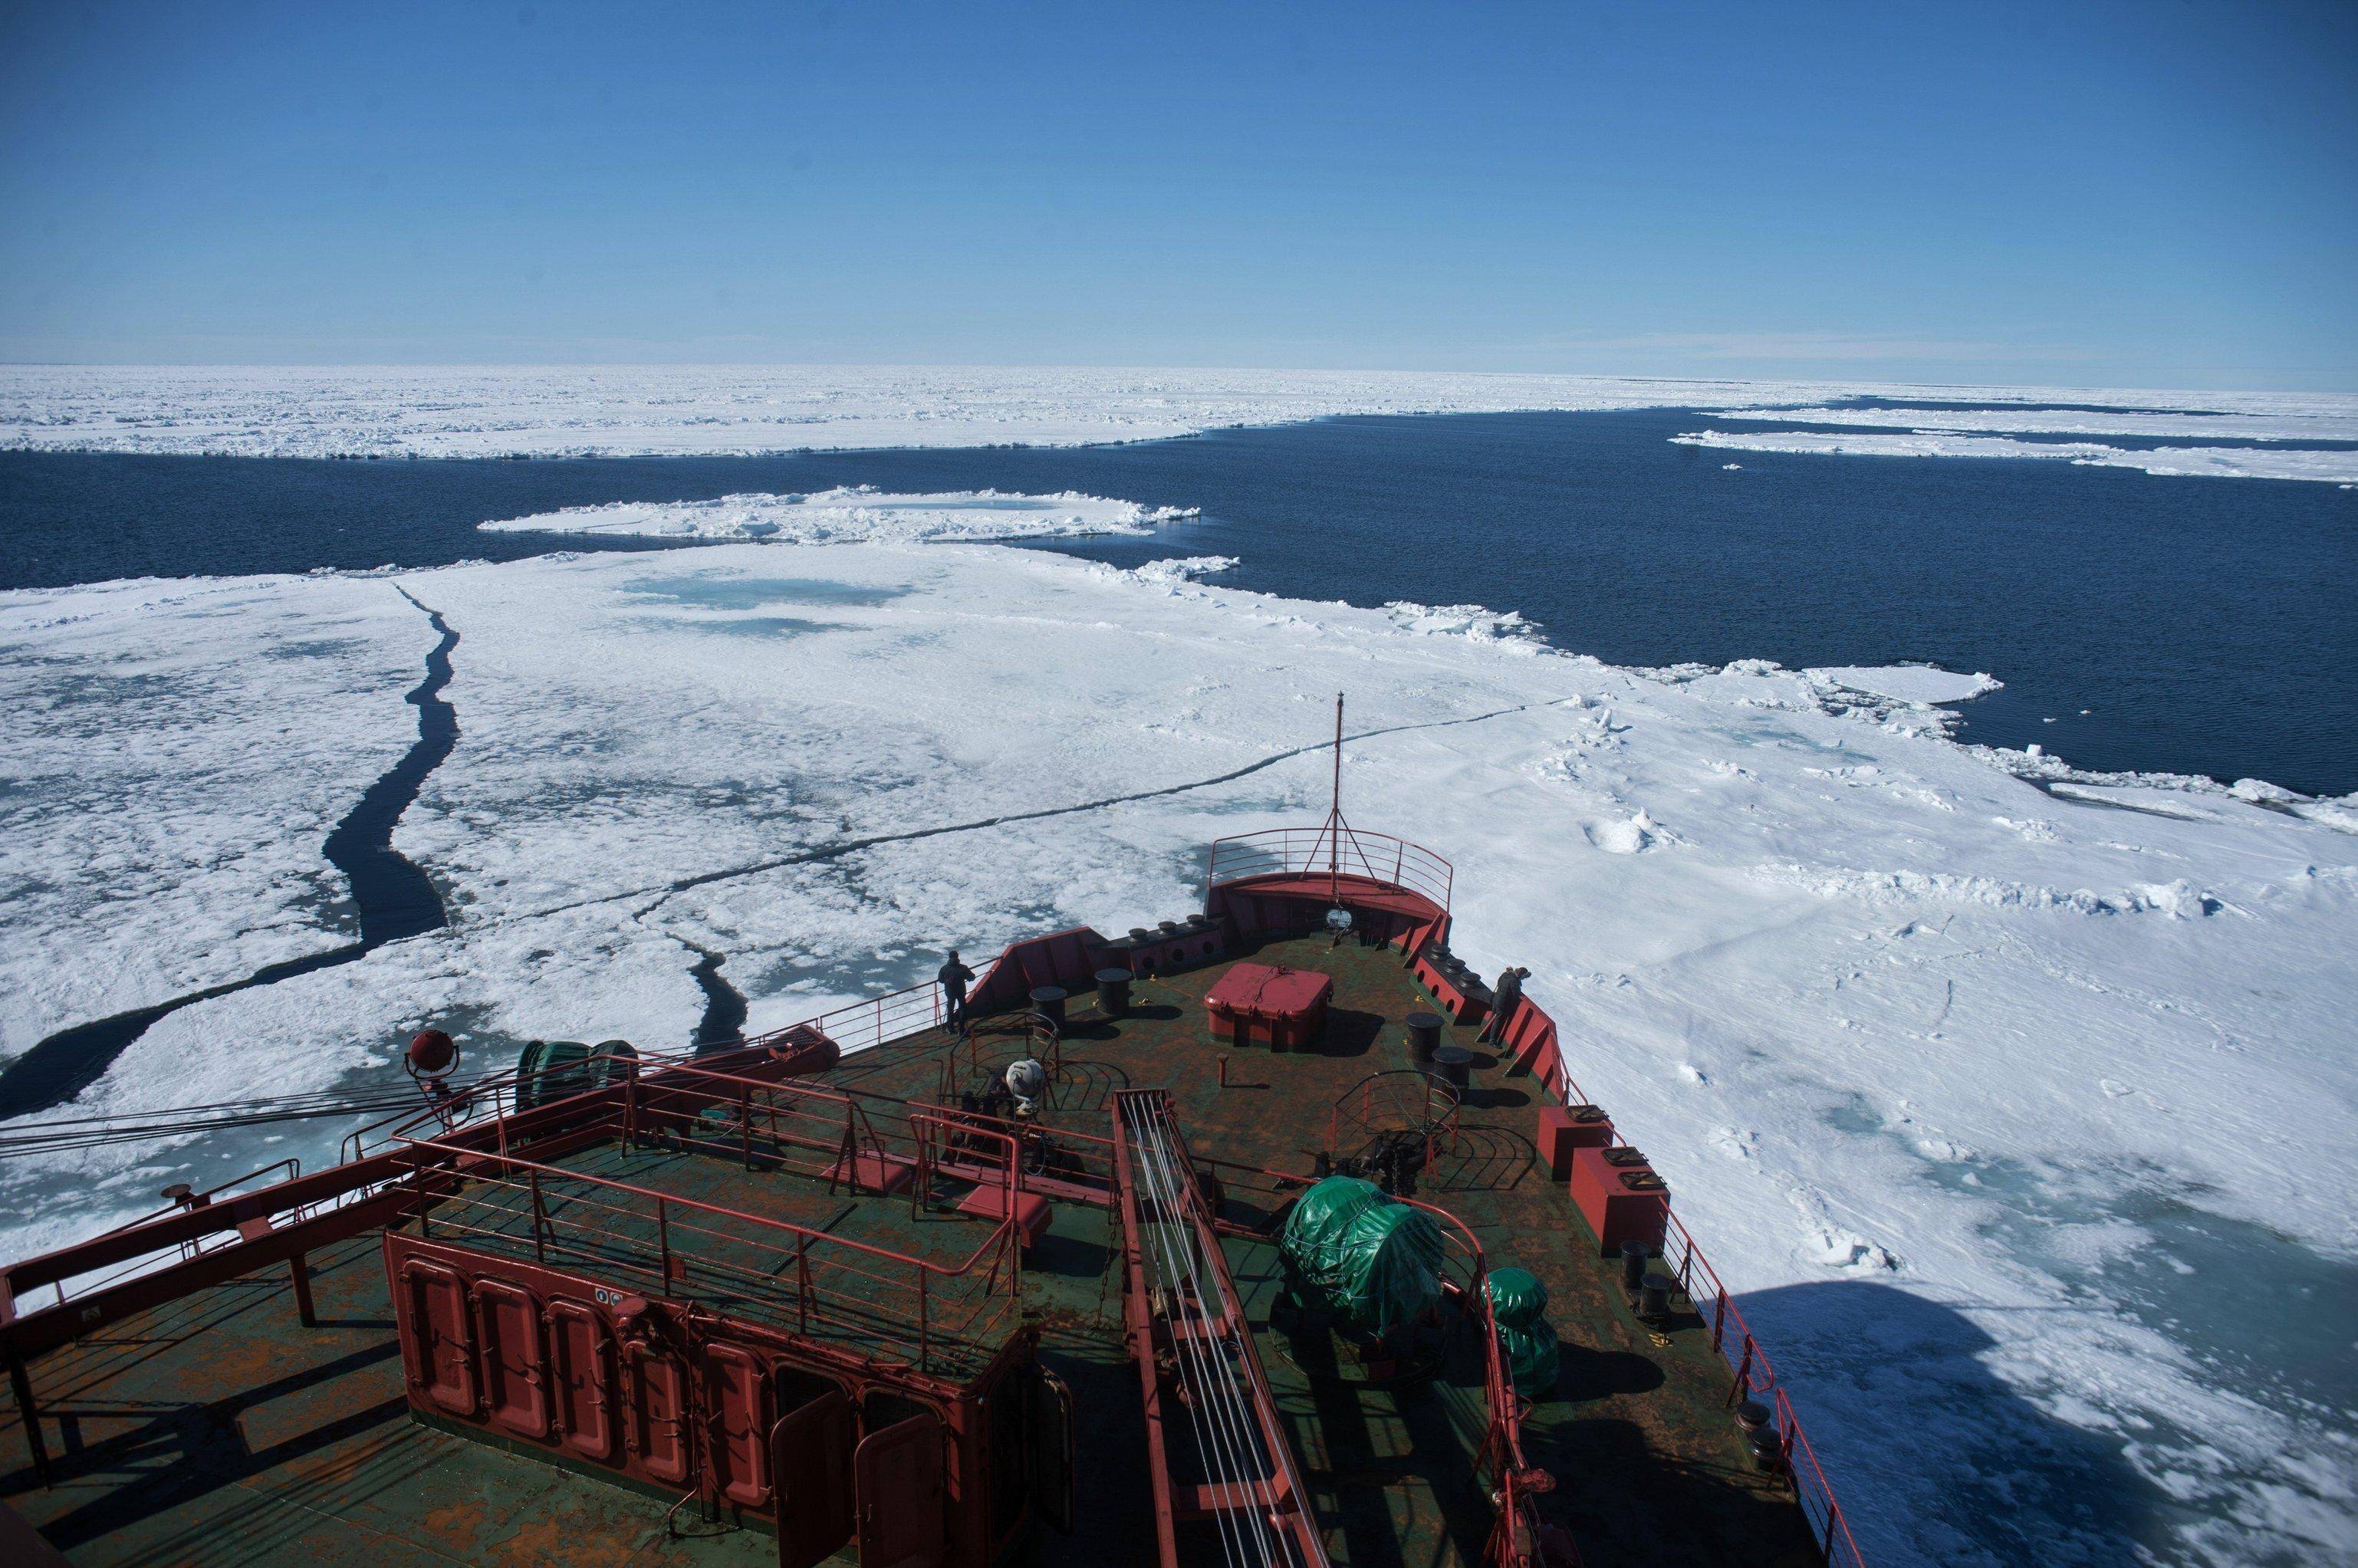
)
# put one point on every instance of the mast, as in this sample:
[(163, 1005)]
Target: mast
[(1334, 815)]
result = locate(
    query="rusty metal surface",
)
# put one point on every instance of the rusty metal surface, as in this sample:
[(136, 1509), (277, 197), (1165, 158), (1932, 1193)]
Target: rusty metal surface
[(219, 1431)]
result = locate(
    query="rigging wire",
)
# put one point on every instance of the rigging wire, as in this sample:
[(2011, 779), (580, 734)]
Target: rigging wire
[(1224, 1398), (1245, 1432), (1209, 1426)]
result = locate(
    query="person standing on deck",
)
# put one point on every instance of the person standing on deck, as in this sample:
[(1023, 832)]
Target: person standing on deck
[(953, 977), (1504, 995)]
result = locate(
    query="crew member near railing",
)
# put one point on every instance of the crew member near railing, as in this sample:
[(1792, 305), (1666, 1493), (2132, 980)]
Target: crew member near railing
[(1504, 995), (953, 977)]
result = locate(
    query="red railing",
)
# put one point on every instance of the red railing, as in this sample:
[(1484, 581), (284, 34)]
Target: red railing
[(935, 1316), (1514, 1535), (1399, 1099), (1301, 851), (1180, 1300), (864, 1025), (774, 1271)]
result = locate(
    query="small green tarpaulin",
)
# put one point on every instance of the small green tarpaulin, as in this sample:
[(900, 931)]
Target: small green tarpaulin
[(1355, 1252), (1519, 1302)]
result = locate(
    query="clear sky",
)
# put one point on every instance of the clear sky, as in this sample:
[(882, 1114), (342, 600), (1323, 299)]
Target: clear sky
[(2152, 194)]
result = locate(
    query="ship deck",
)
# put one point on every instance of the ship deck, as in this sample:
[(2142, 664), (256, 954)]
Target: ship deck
[(219, 1430)]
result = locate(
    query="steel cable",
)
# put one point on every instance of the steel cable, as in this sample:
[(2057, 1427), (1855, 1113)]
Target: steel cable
[(1253, 1440), (1224, 1395), (1210, 1426)]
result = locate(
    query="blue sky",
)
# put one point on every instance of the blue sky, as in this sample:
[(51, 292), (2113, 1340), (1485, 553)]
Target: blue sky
[(2156, 194)]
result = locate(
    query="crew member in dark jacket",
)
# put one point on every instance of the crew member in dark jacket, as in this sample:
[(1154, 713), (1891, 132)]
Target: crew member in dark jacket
[(953, 977), (1504, 995)]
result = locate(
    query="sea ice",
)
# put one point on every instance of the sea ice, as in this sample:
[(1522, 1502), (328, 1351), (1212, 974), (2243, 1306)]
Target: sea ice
[(714, 410), (664, 410), (853, 514), (2223, 462), (2254, 418), (1917, 684)]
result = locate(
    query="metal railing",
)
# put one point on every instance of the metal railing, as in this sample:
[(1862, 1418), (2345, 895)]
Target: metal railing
[(194, 1246), (1180, 1299), (1346, 852), (1400, 1099), (1513, 1481), (864, 1025), (934, 1316)]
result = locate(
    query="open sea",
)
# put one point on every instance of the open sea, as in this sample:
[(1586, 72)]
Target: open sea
[(2180, 625)]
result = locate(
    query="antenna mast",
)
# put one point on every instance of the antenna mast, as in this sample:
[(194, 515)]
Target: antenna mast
[(1335, 815)]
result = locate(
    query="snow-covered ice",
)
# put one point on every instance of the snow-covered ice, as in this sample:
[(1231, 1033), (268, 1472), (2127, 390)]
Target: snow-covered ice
[(2329, 465), (177, 754), (1980, 1079), (852, 512), (663, 410), (1917, 683), (712, 410), (2271, 418)]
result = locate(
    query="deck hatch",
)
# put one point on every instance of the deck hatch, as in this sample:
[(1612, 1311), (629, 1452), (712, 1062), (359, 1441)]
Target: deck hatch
[(741, 1419)]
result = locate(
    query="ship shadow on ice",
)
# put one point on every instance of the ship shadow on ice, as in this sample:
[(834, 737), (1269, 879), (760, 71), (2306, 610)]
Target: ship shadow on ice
[(1933, 1456)]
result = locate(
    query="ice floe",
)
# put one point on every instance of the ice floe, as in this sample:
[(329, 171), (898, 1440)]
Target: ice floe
[(2259, 420), (1917, 683), (853, 514), (1952, 1071), (2220, 462)]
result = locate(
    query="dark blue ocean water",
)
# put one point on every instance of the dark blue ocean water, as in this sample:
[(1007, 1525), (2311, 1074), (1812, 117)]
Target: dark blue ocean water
[(2206, 625)]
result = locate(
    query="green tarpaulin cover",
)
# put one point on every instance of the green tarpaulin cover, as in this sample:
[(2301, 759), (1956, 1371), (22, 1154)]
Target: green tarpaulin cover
[(1354, 1251), (1520, 1303), (549, 1070)]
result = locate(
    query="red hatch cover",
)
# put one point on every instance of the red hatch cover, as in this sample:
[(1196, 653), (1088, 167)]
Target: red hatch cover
[(1284, 1007)]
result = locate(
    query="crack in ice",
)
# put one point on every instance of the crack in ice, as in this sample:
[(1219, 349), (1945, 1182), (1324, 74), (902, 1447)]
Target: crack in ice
[(396, 898)]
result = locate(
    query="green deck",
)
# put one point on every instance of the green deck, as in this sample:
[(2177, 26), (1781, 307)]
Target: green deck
[(219, 1431)]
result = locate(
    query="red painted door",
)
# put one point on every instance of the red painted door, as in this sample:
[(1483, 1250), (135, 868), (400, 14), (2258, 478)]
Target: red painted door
[(443, 1341), (516, 1377), (898, 1475), (810, 1453), (740, 1402), (659, 1413), (582, 1359)]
